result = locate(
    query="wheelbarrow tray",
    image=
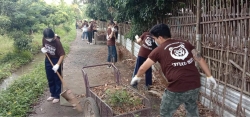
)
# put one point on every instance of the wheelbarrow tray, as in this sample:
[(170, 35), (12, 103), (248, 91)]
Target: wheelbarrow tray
[(104, 109)]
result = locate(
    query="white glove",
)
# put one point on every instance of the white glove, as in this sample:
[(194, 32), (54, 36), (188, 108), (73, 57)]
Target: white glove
[(113, 29), (107, 37), (44, 50), (211, 80), (136, 37), (55, 68), (135, 80)]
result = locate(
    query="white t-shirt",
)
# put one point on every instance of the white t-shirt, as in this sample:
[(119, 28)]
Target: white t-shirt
[(84, 28)]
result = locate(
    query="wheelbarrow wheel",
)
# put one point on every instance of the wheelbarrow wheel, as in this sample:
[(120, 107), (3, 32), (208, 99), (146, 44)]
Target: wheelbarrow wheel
[(90, 108)]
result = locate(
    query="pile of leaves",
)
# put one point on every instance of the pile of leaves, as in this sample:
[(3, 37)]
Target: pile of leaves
[(119, 98)]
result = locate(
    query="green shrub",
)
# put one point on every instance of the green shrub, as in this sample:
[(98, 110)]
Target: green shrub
[(35, 47), (22, 43), (21, 40)]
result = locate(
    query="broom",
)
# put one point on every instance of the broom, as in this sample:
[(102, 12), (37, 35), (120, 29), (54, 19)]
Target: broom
[(120, 55)]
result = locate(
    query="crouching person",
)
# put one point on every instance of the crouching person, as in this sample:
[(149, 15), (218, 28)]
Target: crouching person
[(177, 59)]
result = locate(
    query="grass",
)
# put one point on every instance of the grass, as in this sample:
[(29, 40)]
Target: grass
[(18, 98), (6, 45)]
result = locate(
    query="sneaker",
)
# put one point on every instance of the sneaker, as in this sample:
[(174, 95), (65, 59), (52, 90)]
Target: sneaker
[(55, 100), (87, 42), (91, 44), (50, 98)]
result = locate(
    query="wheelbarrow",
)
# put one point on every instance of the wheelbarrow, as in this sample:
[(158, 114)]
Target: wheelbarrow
[(94, 106)]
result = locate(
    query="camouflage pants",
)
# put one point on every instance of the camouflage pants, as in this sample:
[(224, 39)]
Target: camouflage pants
[(172, 100)]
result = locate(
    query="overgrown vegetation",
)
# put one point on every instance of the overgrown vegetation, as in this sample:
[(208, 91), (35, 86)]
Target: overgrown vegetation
[(21, 26), (18, 98), (12, 59), (21, 18)]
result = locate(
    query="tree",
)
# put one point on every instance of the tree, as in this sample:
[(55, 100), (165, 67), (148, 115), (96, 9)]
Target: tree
[(98, 9), (20, 18), (143, 14)]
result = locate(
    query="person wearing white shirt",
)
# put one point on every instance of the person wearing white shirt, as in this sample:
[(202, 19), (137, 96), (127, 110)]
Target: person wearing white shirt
[(85, 30)]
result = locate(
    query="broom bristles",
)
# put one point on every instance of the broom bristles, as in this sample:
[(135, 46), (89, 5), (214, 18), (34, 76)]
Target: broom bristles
[(120, 54)]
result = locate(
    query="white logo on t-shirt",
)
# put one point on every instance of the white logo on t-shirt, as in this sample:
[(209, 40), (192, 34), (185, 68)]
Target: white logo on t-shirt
[(148, 41), (51, 49), (179, 52)]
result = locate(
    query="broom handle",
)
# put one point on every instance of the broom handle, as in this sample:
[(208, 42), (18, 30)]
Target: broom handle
[(60, 77)]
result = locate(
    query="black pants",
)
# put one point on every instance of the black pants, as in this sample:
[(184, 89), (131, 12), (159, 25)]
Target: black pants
[(53, 79), (139, 62), (116, 35), (90, 35)]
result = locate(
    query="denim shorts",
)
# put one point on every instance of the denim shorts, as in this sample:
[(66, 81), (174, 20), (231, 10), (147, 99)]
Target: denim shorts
[(172, 100)]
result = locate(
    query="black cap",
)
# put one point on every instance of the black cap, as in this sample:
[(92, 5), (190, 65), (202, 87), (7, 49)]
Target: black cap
[(48, 33)]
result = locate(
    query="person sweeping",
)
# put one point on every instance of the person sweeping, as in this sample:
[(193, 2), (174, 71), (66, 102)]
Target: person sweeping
[(177, 60), (54, 49)]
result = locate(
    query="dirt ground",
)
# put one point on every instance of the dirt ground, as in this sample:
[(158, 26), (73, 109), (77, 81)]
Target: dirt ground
[(81, 54)]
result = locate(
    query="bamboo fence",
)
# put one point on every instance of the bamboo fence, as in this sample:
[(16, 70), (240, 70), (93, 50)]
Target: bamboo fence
[(223, 35), (220, 30)]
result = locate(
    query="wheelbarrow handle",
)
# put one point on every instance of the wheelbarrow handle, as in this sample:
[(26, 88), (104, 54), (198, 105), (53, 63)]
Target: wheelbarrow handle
[(60, 77)]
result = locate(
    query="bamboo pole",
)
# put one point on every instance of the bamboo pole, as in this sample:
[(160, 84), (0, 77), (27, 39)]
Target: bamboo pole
[(240, 111), (198, 35)]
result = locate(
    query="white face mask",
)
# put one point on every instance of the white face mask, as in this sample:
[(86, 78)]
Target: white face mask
[(49, 39), (156, 43)]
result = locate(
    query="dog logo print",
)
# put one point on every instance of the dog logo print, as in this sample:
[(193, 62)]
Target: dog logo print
[(179, 52)]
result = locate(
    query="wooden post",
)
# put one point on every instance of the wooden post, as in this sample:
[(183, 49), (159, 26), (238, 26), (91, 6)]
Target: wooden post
[(198, 32), (198, 35)]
